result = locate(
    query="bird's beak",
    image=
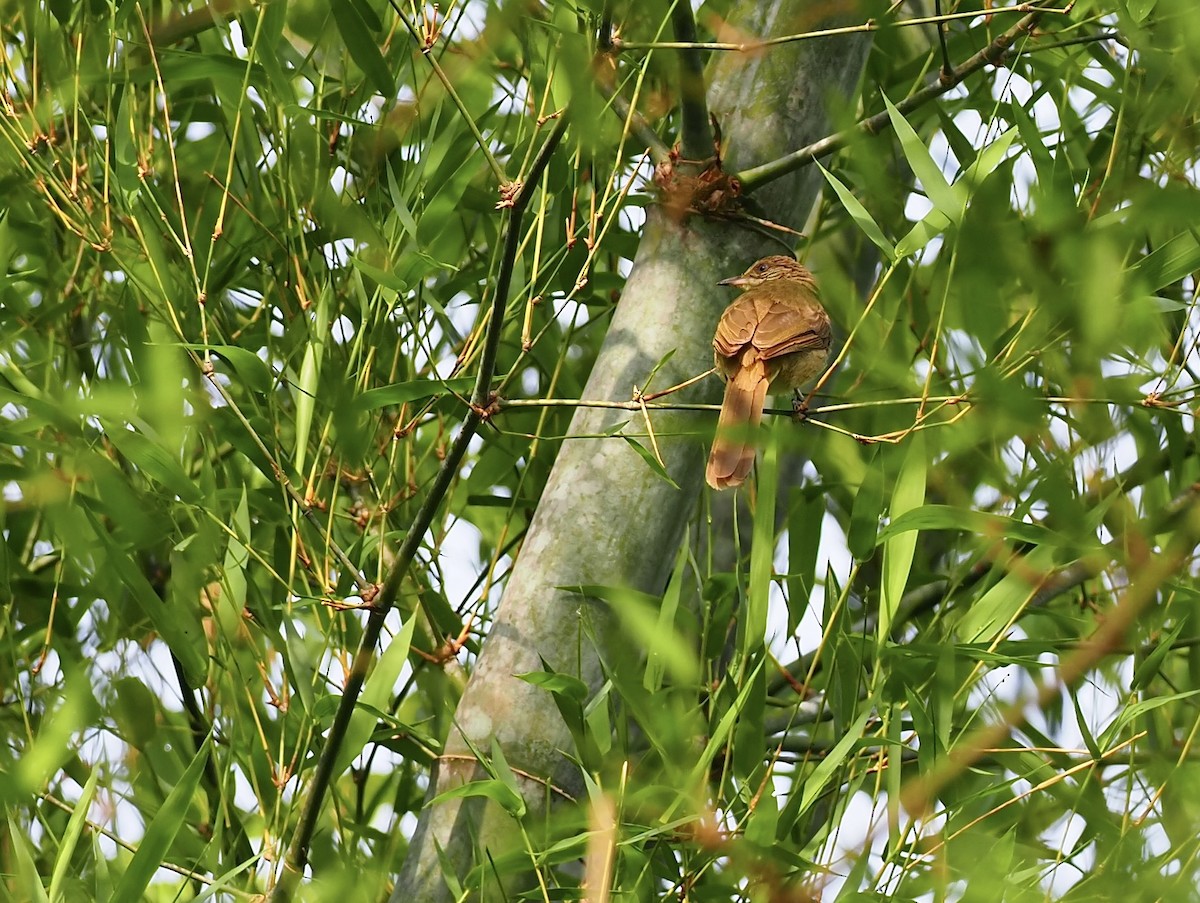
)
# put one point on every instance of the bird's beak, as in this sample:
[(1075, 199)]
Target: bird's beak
[(734, 280)]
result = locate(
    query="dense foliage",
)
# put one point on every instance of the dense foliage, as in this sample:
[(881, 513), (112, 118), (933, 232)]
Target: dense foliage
[(250, 257)]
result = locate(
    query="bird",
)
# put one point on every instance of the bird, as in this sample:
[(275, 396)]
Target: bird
[(774, 337)]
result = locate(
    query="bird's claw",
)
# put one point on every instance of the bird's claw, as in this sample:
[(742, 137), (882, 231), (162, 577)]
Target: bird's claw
[(799, 408)]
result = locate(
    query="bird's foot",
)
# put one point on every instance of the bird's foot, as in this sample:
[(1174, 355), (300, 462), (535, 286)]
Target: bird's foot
[(799, 408)]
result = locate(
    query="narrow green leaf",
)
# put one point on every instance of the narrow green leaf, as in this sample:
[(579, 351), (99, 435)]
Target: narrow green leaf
[(248, 366), (306, 387), (356, 33), (639, 616), (1147, 669), (1085, 732), (1132, 712), (652, 679), (997, 607), (400, 204), (909, 494), (1033, 141), (161, 831), (859, 214), (867, 509), (415, 390), (1141, 9), (565, 685), (154, 461), (1171, 261), (28, 881), (988, 160), (933, 225), (489, 788), (723, 729), (652, 461), (816, 782), (179, 628), (947, 199), (376, 694), (66, 849), (967, 520), (505, 775), (385, 278), (805, 522), (762, 549)]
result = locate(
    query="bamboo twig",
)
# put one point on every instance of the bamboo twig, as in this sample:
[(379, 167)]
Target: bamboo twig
[(695, 133), (297, 853), (993, 54)]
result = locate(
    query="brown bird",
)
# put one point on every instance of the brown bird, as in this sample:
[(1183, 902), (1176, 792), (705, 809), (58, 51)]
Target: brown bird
[(775, 337)]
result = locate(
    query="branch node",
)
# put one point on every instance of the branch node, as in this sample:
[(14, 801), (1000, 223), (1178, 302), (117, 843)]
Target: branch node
[(509, 191)]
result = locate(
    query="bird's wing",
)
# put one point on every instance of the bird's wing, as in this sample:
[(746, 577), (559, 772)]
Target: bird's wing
[(736, 327), (788, 328)]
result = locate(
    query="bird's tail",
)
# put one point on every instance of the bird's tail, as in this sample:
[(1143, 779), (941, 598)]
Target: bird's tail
[(733, 449)]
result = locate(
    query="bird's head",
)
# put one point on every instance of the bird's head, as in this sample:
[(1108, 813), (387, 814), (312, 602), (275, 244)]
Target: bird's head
[(777, 266)]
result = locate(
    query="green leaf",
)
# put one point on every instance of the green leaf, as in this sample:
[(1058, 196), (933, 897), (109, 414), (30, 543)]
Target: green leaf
[(415, 390), (1140, 10), (356, 33), (867, 509), (248, 366), (386, 278), (652, 679), (160, 833), (805, 522), (933, 225), (968, 520), (66, 848), (154, 461), (859, 214), (306, 387), (1148, 668), (816, 782), (376, 695), (639, 616), (762, 548), (908, 495), (723, 729), (565, 685), (1132, 712), (994, 611), (649, 458), (180, 628), (988, 160), (1170, 262), (27, 879), (503, 773), (948, 200), (489, 788)]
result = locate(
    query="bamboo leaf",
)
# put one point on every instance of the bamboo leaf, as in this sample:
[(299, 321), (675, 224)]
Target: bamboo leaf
[(908, 495), (160, 833), (859, 214)]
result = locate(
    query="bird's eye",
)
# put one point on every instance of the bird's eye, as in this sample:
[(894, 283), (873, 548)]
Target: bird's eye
[(761, 268)]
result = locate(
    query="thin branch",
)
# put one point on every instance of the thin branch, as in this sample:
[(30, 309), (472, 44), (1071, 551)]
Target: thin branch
[(297, 854), (923, 598), (426, 45), (604, 40), (871, 25), (188, 25), (1145, 581), (696, 137), (993, 54), (947, 69), (1079, 572), (635, 122), (303, 505)]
